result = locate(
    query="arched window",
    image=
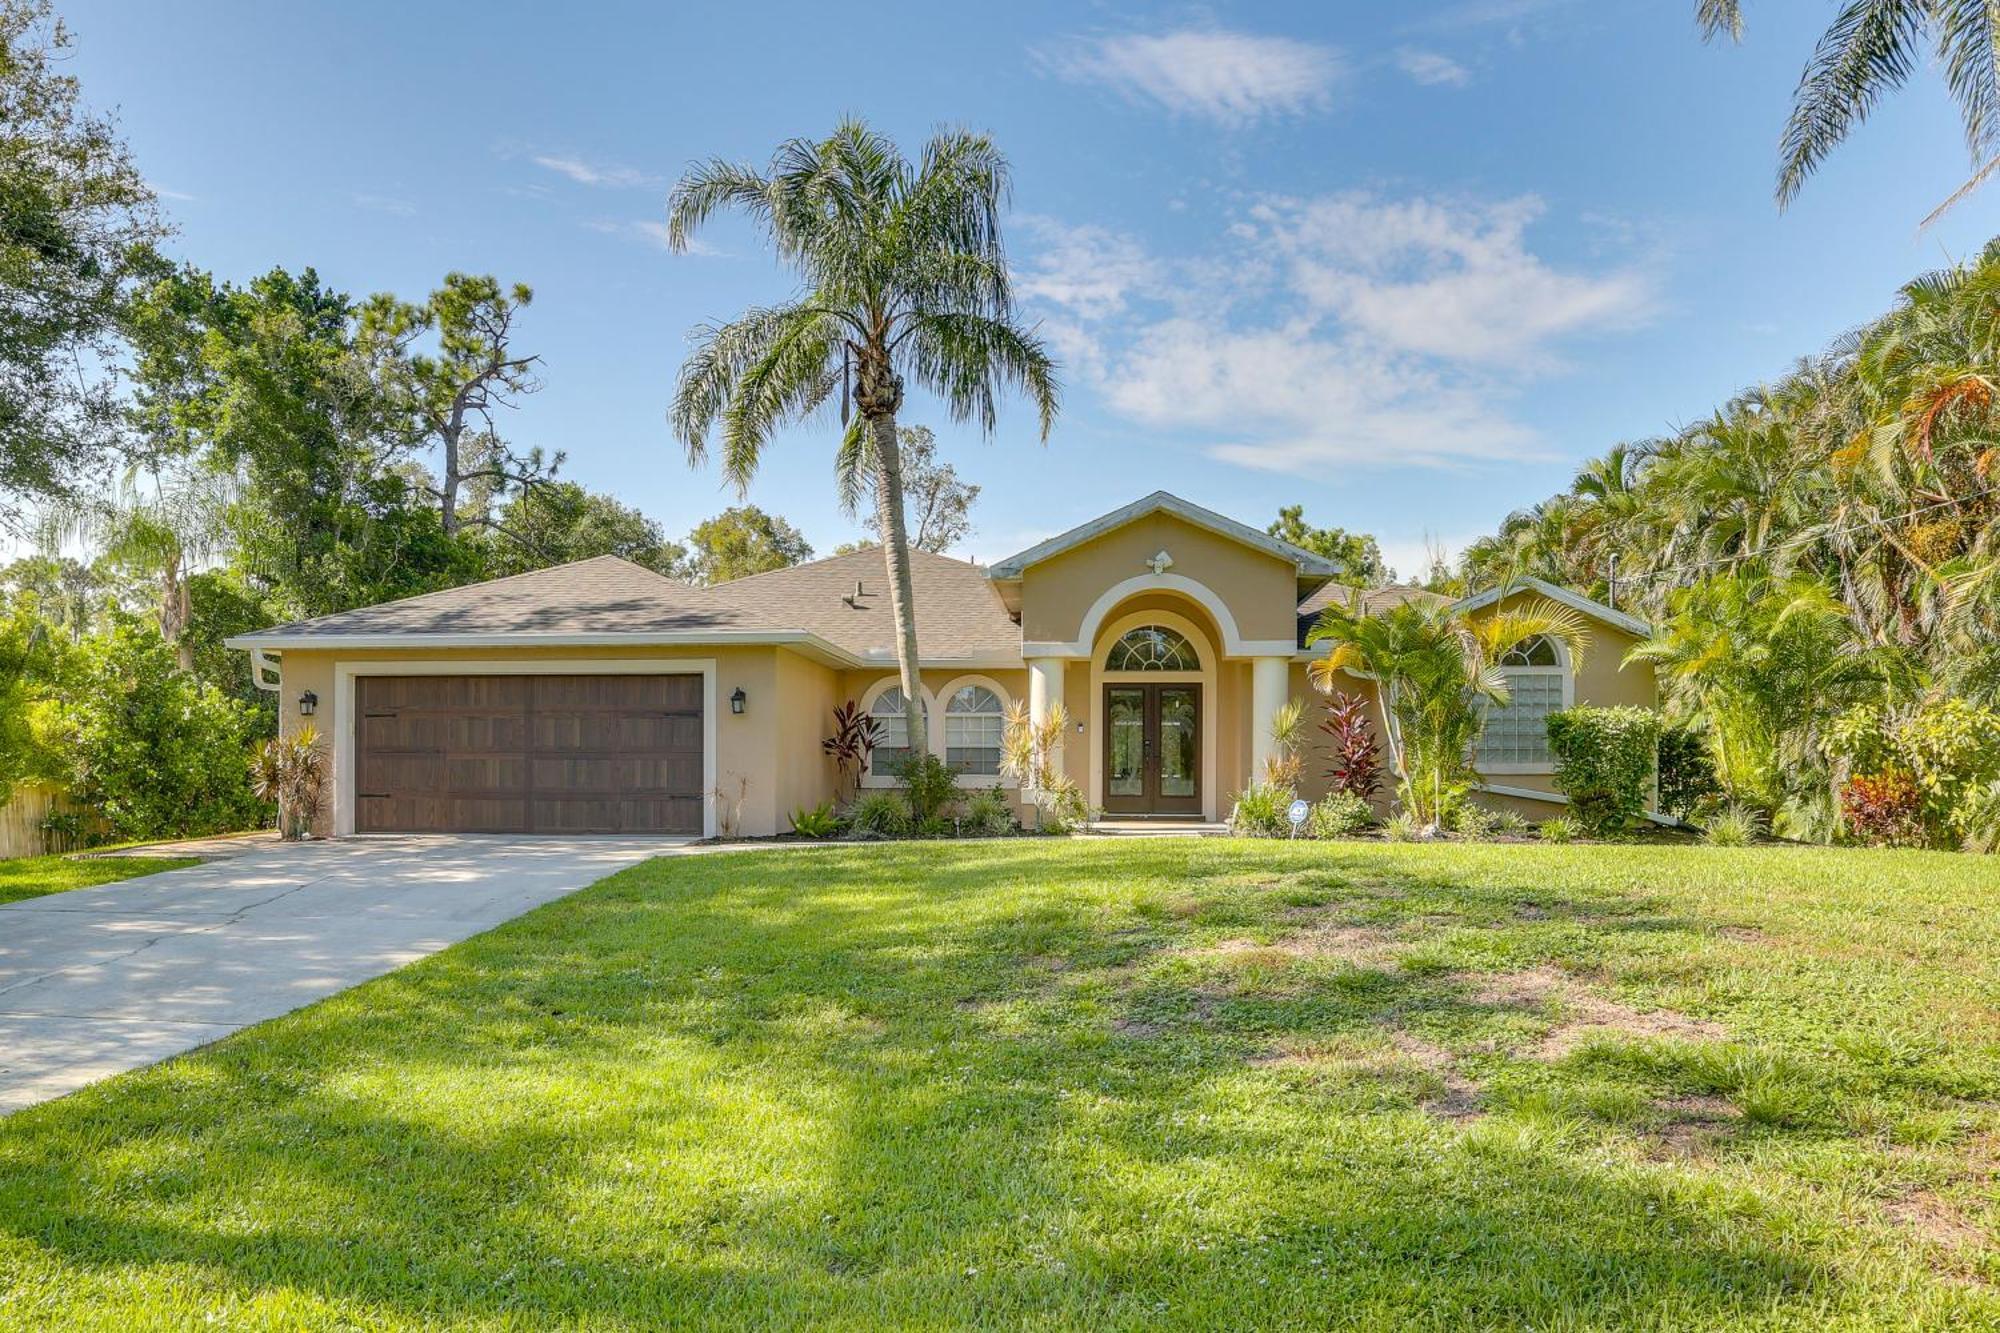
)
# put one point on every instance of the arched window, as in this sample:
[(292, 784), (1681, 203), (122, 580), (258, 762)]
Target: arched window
[(972, 723), (893, 747), (1516, 734), (1152, 648)]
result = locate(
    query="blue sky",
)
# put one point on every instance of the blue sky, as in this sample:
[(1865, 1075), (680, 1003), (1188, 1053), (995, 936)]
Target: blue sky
[(1403, 263)]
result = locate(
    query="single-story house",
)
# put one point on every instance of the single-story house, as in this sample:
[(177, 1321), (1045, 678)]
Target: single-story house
[(601, 697)]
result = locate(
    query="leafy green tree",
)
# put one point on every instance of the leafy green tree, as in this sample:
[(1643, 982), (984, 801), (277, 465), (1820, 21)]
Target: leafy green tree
[(1869, 51), (77, 226), (67, 594), (1434, 668), (452, 391), (904, 280), (741, 541), (937, 505), (29, 656), (270, 385), (1769, 663), (557, 522), (1359, 557), (155, 751)]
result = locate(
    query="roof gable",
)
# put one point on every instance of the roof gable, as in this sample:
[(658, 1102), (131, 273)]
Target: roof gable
[(1576, 601), (1305, 562)]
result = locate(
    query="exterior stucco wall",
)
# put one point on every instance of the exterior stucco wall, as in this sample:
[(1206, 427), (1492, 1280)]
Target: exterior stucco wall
[(759, 746), (1260, 590)]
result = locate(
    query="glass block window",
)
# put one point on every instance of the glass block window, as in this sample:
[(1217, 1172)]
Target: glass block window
[(1517, 733), (972, 722), (893, 747), (1153, 648)]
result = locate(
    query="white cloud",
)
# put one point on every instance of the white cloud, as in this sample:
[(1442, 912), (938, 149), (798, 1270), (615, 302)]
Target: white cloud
[(653, 233), (1446, 279), (1089, 271), (165, 193), (1233, 78), (1432, 68), (1345, 330), (607, 174)]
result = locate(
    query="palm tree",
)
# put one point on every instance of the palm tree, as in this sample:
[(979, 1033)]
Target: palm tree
[(1871, 49), (164, 530), (904, 281), (1435, 668)]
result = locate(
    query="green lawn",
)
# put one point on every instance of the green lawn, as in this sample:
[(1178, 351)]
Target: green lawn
[(1111, 1084), (33, 876)]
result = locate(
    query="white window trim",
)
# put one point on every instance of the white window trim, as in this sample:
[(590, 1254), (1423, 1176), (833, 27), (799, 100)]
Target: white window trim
[(868, 697), (939, 735), (1561, 668), (346, 719)]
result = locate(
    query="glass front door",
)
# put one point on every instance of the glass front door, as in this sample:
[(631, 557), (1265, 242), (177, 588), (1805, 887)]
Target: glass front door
[(1152, 749)]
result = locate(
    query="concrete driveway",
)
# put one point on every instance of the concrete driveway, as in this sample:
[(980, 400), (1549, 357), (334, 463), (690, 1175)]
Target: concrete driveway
[(97, 981)]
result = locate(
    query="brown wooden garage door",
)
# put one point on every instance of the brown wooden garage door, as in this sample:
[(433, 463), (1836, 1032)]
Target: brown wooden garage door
[(528, 754)]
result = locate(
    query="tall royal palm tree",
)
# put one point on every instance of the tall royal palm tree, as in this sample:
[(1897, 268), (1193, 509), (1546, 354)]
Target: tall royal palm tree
[(904, 281), (1871, 49)]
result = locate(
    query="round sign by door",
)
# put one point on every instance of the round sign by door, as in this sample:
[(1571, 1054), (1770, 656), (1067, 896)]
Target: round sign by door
[(1297, 813)]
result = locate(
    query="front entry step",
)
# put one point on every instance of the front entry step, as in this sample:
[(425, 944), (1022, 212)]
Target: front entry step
[(1158, 828)]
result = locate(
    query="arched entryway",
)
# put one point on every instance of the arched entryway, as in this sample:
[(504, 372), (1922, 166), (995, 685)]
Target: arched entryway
[(1154, 686)]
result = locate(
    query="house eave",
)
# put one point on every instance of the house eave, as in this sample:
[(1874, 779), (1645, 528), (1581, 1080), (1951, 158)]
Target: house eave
[(1576, 601), (810, 645)]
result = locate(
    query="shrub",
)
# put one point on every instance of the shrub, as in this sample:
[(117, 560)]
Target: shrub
[(1472, 821), (1260, 811), (1511, 824), (881, 813), (1604, 763), (929, 784), (1981, 820), (855, 736), (1734, 825), (1339, 814), (1357, 756), (1686, 772), (1561, 829), (1028, 755), (987, 814), (290, 772), (1401, 827), (1953, 749), (1884, 809), (818, 822), (1283, 766), (938, 826), (154, 750)]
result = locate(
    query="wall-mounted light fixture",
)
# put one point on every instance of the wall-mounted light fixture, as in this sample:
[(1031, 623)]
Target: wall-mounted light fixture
[(307, 702), (737, 700)]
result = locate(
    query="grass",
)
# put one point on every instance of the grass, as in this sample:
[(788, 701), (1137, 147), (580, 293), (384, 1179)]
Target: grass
[(33, 876), (1126, 1084)]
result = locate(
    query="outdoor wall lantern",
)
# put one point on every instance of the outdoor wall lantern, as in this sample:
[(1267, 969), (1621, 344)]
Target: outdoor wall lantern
[(307, 702), (737, 700)]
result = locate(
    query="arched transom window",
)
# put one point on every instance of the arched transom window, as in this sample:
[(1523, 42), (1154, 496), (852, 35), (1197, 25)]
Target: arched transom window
[(893, 746), (973, 720), (1516, 734), (1152, 648)]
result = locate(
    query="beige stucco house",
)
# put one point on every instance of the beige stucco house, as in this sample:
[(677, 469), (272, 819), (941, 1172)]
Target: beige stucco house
[(601, 697)]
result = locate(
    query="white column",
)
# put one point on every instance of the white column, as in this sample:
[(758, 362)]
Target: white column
[(1270, 683), (1045, 689)]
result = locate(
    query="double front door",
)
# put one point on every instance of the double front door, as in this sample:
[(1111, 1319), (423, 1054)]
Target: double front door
[(1152, 749)]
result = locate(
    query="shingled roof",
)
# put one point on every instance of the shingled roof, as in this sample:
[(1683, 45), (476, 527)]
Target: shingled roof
[(959, 615), (609, 600), (605, 596)]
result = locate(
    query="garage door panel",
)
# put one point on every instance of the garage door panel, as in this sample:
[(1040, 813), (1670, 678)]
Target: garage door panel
[(557, 754)]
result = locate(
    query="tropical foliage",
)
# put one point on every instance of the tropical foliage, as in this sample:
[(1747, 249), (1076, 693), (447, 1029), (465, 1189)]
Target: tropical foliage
[(905, 282), (1435, 668), (1824, 541), (1605, 760)]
